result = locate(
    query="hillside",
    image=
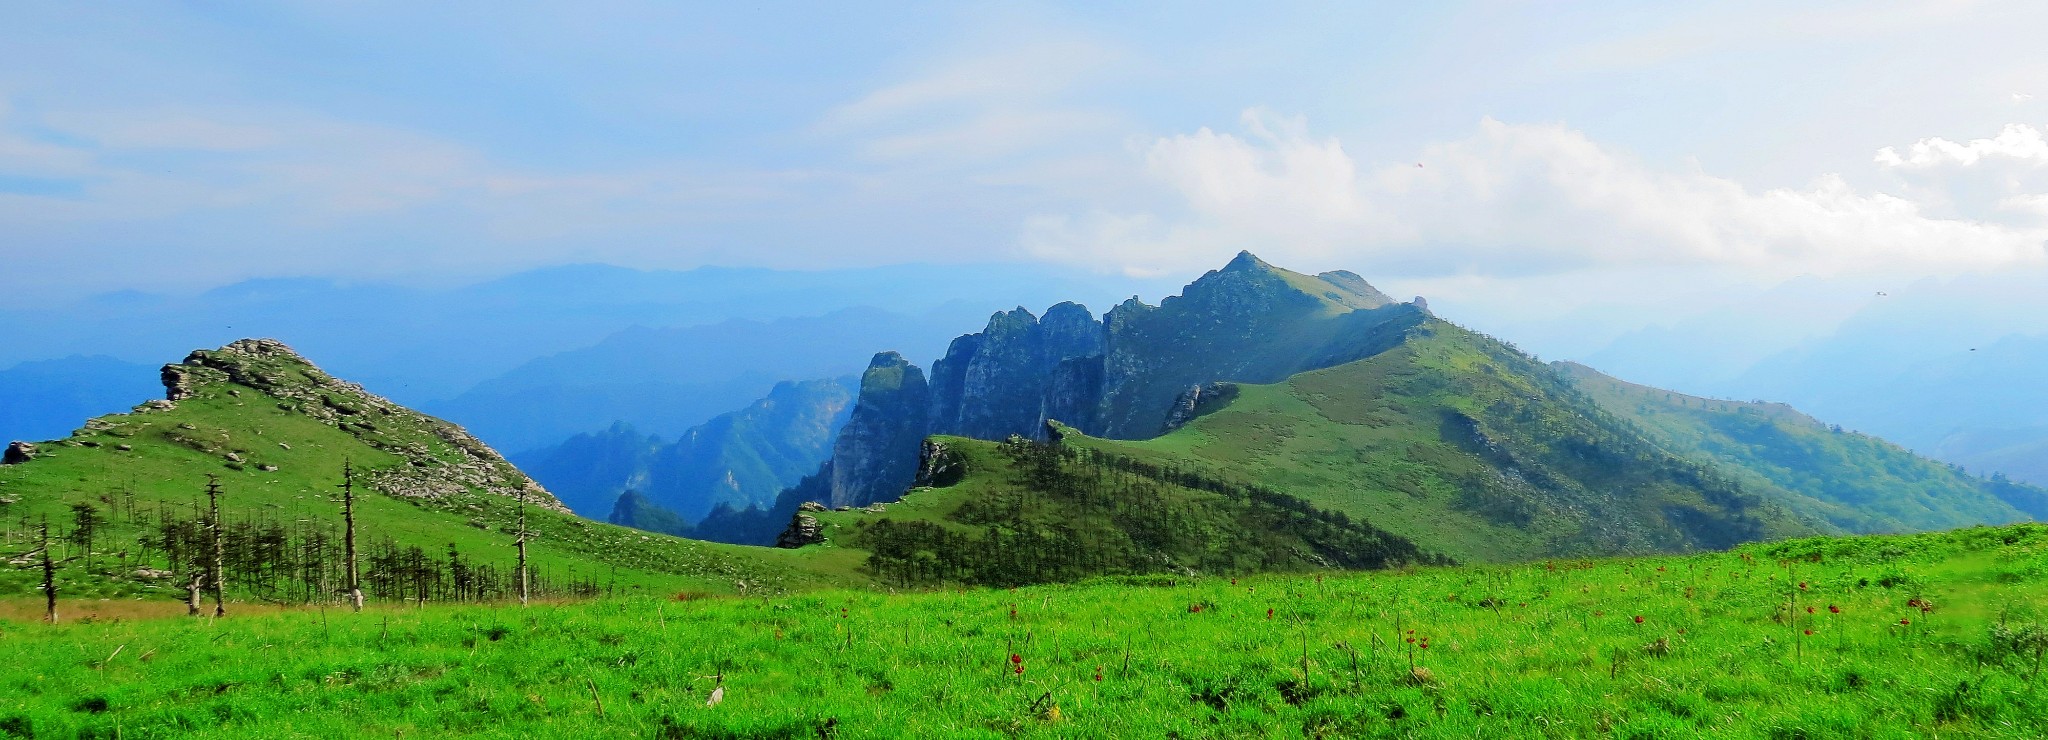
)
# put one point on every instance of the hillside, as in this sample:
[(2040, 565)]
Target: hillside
[(1936, 635), (436, 508), (1469, 448), (1855, 482), (737, 459), (1018, 512)]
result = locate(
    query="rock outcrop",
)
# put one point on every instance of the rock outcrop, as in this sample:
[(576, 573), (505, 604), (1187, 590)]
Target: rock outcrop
[(938, 466), (1137, 372), (18, 453), (875, 456), (804, 529)]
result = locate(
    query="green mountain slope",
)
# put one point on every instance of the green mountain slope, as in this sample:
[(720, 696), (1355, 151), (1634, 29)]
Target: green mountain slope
[(738, 459), (1019, 512), (1855, 482), (275, 431), (1469, 448)]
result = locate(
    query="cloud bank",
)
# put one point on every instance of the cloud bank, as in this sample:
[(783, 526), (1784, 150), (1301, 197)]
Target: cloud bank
[(1530, 198)]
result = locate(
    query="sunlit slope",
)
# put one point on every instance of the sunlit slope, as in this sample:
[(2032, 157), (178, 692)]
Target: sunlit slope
[(275, 431), (1853, 481), (1021, 512), (1469, 448)]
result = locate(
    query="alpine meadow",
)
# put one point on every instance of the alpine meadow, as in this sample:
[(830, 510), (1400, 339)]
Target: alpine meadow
[(1042, 370)]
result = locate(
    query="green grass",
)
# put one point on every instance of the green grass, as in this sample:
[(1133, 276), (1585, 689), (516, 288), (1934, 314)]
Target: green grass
[(172, 451), (1855, 482), (1533, 650), (1469, 448)]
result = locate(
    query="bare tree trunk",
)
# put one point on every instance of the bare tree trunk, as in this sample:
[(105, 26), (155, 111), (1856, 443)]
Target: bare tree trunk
[(348, 518), (49, 574), (192, 594), (214, 571), (522, 548)]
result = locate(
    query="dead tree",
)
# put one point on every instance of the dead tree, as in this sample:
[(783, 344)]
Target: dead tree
[(214, 570), (49, 573), (348, 538), (522, 547)]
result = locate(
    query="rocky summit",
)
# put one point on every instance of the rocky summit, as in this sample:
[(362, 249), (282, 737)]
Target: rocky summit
[(441, 459), (1136, 372)]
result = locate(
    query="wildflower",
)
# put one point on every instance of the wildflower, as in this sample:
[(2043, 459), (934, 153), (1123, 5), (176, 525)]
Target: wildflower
[(1639, 619), (1832, 609), (1809, 610), (842, 612), (1098, 674), (1809, 633), (1020, 669), (1016, 659), (1904, 621), (1802, 585), (1013, 611), (1269, 613), (1411, 640)]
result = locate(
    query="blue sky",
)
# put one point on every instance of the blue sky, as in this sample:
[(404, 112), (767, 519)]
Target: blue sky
[(1495, 154)]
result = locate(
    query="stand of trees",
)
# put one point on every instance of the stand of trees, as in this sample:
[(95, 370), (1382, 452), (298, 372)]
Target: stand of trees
[(208, 548), (1074, 513)]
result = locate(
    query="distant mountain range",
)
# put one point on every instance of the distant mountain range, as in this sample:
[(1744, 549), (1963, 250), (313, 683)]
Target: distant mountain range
[(434, 346), (46, 399), (1325, 389), (739, 460)]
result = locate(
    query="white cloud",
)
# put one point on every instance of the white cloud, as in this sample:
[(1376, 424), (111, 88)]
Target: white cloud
[(1509, 198), (2017, 142), (2021, 97)]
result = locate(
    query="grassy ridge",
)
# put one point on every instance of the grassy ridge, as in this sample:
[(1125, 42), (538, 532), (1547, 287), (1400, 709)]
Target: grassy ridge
[(1469, 448), (280, 463), (1855, 482), (1535, 650)]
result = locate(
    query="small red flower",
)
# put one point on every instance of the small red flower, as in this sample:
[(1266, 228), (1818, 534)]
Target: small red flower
[(1639, 619), (1809, 610), (1269, 614), (1098, 674), (1904, 621), (1016, 659), (842, 612), (1802, 585), (1411, 640), (1020, 669), (1832, 609), (1809, 632)]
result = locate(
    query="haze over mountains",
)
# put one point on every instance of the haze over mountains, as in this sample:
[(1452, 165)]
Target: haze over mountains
[(1323, 387)]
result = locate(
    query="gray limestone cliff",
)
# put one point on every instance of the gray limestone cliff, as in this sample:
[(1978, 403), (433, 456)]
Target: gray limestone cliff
[(875, 456), (1138, 372)]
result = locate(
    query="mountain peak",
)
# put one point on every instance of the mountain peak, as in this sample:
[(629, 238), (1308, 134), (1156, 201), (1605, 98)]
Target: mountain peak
[(1245, 261), (441, 458)]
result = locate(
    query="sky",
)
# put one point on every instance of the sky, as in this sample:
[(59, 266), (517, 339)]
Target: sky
[(1595, 166)]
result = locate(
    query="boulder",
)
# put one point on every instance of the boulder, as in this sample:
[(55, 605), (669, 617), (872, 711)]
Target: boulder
[(18, 453), (804, 529)]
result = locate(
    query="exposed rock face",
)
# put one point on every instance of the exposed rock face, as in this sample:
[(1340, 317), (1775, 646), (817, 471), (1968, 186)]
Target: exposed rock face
[(1196, 400), (804, 529), (875, 457), (18, 453), (937, 466), (1136, 373), (443, 460)]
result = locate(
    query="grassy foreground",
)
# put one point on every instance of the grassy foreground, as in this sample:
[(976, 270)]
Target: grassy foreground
[(1910, 637)]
